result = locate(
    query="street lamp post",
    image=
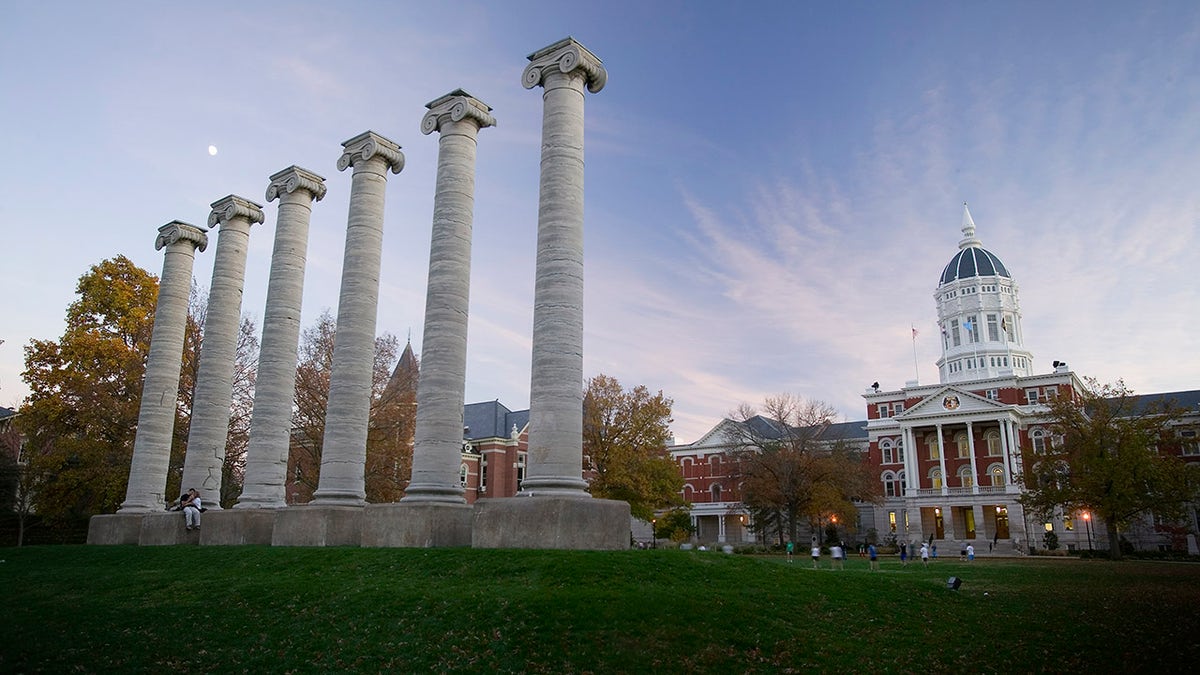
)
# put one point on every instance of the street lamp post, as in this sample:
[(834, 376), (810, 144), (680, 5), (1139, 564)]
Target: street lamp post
[(1087, 522)]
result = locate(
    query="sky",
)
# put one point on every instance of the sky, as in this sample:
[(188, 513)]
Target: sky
[(772, 188)]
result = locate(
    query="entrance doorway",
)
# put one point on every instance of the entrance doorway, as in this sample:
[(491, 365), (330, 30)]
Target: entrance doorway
[(968, 516), (939, 524), (1002, 522)]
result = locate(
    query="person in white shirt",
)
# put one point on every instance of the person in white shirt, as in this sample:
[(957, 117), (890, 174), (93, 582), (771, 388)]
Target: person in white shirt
[(191, 510)]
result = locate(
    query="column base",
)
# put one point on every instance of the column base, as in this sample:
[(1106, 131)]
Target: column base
[(551, 523), (314, 525), (167, 529), (114, 529), (420, 525), (236, 527)]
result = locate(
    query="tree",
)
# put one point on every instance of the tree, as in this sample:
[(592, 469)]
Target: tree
[(675, 525), (1103, 459), (790, 470), (85, 390), (392, 417), (625, 436)]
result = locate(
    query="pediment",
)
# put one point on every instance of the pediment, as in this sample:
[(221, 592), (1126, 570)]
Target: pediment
[(951, 401)]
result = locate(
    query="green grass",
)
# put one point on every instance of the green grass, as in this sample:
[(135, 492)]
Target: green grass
[(251, 609)]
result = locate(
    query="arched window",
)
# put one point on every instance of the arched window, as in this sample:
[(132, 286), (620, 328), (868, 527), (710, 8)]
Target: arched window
[(716, 493), (992, 438), (1038, 438), (935, 478), (889, 450), (964, 445), (996, 471), (965, 477), (932, 441), (462, 474), (688, 493), (889, 484)]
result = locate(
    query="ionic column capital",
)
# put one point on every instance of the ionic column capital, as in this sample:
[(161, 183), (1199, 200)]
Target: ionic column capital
[(177, 230), (367, 145), (455, 107), (233, 206), (566, 56), (295, 178)]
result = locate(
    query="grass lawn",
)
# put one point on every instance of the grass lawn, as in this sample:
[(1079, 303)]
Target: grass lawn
[(258, 609)]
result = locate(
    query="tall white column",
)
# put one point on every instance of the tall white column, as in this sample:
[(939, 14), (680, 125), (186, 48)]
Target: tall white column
[(160, 388), (942, 460), (214, 376), (437, 448), (556, 391), (275, 388), (908, 440), (344, 452), (974, 467)]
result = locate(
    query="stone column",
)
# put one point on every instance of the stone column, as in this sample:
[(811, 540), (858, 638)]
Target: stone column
[(160, 389), (275, 388), (974, 466), (561, 515), (437, 449), (556, 388), (344, 452), (214, 376), (942, 460)]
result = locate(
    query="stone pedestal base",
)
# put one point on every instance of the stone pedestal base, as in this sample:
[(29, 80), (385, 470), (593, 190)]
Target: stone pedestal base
[(551, 523), (417, 525), (167, 529), (318, 526), (237, 527), (114, 529)]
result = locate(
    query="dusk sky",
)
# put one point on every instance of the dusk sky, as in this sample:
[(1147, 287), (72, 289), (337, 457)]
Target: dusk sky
[(772, 189)]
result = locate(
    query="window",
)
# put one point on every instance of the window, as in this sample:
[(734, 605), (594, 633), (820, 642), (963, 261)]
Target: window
[(935, 478), (890, 451), (965, 477), (1038, 438), (716, 493), (883, 409), (933, 447), (898, 408), (1189, 446), (1051, 393), (892, 521), (963, 445), (996, 471), (483, 471), (993, 394), (1031, 396), (954, 335), (889, 484), (992, 438), (520, 469), (1068, 523), (993, 328), (900, 477), (462, 475)]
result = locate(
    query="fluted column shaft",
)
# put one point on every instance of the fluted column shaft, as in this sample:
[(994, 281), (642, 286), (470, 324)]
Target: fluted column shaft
[(344, 449), (556, 390), (214, 376), (275, 388), (160, 388), (437, 448)]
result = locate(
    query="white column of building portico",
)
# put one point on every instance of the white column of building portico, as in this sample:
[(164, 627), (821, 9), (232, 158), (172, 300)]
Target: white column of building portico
[(971, 451), (721, 528), (275, 388), (912, 479), (438, 439), (556, 389), (160, 388), (942, 460), (344, 452), (205, 458), (1010, 446)]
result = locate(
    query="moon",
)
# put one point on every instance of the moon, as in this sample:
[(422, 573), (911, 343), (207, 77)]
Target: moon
[(212, 150)]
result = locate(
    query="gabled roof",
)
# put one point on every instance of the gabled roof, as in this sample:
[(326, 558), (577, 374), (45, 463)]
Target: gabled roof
[(491, 419), (951, 400), (1188, 400), (6, 413)]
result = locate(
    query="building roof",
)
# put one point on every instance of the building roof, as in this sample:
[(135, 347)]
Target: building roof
[(491, 419), (1188, 400), (6, 413)]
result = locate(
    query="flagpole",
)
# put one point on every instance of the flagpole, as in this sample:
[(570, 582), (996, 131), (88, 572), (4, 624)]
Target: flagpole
[(916, 371)]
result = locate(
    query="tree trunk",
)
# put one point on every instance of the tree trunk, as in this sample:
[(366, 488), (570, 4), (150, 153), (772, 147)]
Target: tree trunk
[(1114, 540)]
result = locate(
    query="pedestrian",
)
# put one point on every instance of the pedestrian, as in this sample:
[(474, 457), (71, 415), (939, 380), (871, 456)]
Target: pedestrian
[(925, 554), (839, 555), (935, 551), (903, 554), (874, 557), (191, 509), (860, 550), (790, 547), (970, 553), (962, 553), (816, 556)]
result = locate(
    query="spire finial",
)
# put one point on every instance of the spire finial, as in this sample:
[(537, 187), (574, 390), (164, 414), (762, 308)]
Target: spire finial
[(968, 230)]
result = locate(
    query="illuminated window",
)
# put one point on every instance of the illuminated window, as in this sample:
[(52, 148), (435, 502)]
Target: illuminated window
[(965, 477), (996, 471), (964, 447), (892, 521), (992, 438), (935, 478), (934, 451)]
